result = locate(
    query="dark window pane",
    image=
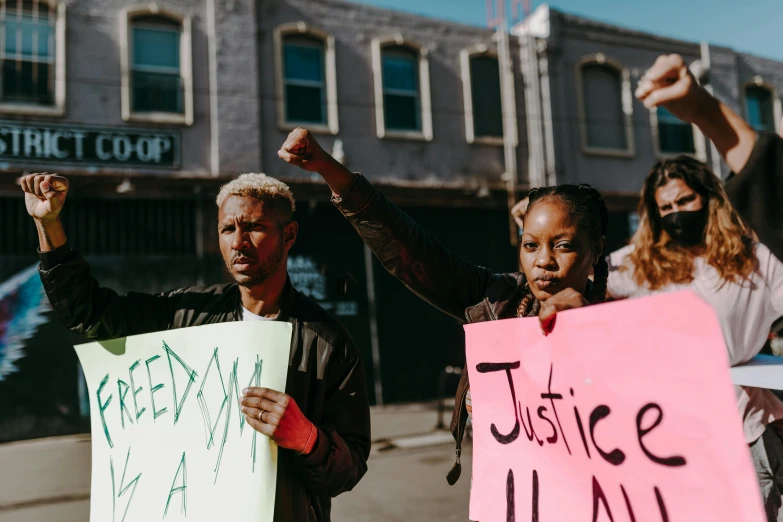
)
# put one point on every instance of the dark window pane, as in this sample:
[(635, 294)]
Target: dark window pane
[(674, 136), (401, 89), (758, 102), (157, 92), (156, 81), (304, 77), (154, 47), (400, 70), (27, 82), (45, 36), (38, 31), (401, 112), (304, 104), (303, 62), (604, 107), (28, 58), (485, 91)]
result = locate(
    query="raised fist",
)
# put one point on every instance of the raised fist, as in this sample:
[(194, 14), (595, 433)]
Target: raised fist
[(301, 149), (669, 83), (44, 195)]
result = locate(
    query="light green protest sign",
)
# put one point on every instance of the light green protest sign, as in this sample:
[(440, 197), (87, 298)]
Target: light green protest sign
[(169, 441)]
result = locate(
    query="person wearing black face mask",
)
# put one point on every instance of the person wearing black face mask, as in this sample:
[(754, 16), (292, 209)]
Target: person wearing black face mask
[(686, 227), (690, 237)]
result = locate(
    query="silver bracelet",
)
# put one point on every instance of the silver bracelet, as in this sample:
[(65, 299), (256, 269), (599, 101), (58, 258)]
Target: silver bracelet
[(312, 429)]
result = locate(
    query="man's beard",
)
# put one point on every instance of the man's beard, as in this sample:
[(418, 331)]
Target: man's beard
[(263, 269)]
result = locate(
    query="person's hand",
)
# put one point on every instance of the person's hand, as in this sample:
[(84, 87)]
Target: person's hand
[(669, 83), (301, 149), (277, 416), (563, 300), (44, 195), (518, 212)]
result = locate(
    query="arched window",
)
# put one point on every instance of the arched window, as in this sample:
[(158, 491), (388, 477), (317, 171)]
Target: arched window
[(306, 78), (605, 107), (402, 89), (157, 77), (32, 51), (483, 103)]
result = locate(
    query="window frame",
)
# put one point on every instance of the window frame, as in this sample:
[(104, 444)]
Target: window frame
[(626, 105), (58, 108), (397, 40), (127, 15), (759, 82), (467, 91), (300, 28)]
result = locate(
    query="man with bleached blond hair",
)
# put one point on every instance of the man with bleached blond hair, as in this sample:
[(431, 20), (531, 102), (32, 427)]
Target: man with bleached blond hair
[(322, 420)]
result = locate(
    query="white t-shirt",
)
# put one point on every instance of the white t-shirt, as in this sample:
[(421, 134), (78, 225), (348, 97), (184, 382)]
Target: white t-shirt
[(247, 315), (746, 311)]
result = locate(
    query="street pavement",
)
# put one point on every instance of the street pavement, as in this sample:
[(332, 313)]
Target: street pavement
[(406, 477), (405, 485)]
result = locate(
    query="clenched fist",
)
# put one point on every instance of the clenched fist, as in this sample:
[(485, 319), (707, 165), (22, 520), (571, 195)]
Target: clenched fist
[(669, 83), (564, 300), (44, 195), (301, 149)]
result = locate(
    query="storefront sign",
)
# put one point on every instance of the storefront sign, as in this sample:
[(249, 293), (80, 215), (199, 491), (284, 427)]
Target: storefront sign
[(89, 146)]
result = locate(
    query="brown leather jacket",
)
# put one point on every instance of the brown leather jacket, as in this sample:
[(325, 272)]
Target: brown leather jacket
[(455, 286), (325, 374)]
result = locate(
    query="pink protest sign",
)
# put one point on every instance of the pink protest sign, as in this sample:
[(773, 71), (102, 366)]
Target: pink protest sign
[(625, 412)]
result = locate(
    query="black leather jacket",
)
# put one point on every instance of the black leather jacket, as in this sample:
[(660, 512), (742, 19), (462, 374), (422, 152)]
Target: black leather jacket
[(325, 374), (468, 292)]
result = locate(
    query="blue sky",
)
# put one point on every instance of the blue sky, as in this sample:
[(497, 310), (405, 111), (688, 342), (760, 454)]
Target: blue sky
[(754, 26)]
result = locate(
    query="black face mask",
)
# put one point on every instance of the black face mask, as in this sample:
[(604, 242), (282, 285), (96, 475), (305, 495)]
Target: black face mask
[(686, 227)]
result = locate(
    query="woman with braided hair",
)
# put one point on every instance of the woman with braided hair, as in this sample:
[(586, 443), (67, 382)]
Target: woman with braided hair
[(585, 205), (563, 240), (690, 237)]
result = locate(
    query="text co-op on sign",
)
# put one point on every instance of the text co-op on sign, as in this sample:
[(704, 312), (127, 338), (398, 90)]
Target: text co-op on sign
[(83, 145)]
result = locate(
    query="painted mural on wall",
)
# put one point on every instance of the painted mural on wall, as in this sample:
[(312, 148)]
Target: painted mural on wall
[(38, 366), (22, 306)]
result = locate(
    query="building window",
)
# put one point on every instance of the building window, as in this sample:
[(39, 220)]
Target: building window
[(33, 57), (156, 79), (305, 81), (401, 99), (674, 135), (759, 107), (156, 66), (402, 94), (605, 107), (482, 96), (306, 78), (485, 93)]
